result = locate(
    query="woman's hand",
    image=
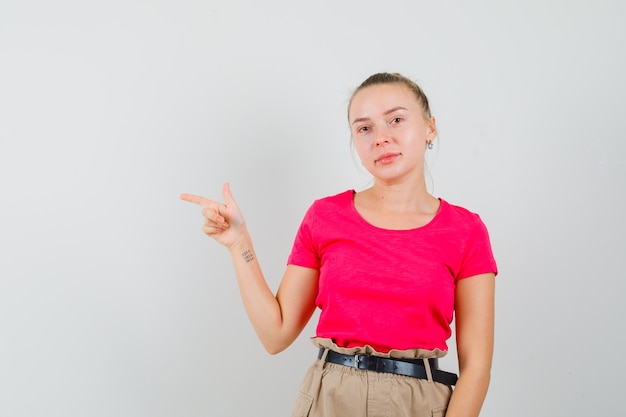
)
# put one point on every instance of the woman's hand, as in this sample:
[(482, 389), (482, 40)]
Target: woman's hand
[(222, 221)]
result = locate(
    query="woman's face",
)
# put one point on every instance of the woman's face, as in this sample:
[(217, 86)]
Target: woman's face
[(390, 131)]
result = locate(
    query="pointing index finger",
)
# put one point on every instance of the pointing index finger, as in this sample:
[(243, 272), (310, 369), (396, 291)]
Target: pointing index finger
[(196, 199)]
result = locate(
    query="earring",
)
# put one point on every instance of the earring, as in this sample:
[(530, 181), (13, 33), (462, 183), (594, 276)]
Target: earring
[(430, 145)]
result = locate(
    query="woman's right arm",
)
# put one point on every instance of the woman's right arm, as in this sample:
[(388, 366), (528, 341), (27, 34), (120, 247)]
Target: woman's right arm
[(277, 319)]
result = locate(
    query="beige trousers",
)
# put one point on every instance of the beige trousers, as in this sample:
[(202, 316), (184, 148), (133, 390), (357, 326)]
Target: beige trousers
[(331, 390)]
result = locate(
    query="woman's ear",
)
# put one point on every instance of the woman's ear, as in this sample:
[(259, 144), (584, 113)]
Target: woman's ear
[(432, 128)]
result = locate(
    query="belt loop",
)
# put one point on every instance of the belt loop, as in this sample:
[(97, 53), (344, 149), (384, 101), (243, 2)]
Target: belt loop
[(429, 372), (322, 361)]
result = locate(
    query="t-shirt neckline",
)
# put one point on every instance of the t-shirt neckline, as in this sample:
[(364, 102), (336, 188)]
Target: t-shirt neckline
[(360, 218)]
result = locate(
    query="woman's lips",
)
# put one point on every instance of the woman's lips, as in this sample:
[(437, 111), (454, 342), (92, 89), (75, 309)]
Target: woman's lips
[(386, 158)]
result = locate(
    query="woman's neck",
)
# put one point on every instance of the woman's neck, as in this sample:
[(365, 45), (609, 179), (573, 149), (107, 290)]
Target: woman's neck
[(400, 198)]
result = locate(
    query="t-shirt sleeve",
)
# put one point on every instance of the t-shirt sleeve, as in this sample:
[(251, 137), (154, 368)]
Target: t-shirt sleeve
[(478, 256), (304, 251)]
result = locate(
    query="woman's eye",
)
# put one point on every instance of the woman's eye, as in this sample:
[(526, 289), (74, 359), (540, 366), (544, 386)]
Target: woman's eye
[(396, 120), (363, 129)]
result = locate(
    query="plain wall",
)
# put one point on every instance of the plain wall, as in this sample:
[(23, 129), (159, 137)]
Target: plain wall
[(113, 302)]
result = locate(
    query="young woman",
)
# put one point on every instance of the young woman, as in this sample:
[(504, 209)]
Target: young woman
[(388, 267)]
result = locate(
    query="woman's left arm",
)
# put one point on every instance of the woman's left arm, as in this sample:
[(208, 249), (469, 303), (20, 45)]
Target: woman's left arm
[(474, 312)]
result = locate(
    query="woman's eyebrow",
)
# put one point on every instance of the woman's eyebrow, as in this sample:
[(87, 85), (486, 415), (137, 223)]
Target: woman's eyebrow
[(394, 109), (363, 119)]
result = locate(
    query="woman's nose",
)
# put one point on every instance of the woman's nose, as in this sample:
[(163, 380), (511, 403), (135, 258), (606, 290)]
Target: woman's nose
[(382, 137)]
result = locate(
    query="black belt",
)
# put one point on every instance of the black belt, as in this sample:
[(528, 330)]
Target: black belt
[(406, 367)]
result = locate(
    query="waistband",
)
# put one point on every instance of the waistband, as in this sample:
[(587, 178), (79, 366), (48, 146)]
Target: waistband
[(415, 368)]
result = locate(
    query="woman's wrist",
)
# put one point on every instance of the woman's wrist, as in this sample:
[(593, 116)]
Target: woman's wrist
[(242, 246)]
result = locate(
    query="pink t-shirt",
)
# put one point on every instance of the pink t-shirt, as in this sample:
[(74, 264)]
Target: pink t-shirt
[(390, 289)]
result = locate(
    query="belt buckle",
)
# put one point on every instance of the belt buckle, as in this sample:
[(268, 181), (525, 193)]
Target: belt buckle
[(356, 361)]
